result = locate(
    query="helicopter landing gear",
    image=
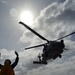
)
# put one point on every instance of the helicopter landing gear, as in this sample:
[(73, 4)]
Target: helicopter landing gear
[(41, 60)]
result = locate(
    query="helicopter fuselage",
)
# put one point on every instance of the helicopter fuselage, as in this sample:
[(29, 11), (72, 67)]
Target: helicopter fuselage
[(52, 50)]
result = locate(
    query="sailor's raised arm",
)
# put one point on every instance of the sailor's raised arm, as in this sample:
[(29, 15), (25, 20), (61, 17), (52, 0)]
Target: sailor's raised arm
[(16, 60)]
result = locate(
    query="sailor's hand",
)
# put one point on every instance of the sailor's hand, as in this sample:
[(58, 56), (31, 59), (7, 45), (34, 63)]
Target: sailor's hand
[(16, 53)]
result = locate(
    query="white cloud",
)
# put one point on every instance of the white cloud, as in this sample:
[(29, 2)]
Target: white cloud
[(55, 21), (6, 54)]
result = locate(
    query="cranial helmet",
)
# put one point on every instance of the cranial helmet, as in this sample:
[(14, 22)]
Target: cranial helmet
[(7, 62), (62, 41)]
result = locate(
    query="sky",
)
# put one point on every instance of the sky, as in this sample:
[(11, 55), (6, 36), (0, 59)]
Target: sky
[(52, 19)]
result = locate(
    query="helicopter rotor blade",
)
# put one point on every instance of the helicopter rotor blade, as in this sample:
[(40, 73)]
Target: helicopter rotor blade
[(35, 46), (41, 36), (66, 35), (33, 31)]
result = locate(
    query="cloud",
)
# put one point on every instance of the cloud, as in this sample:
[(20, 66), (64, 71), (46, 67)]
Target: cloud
[(55, 21), (7, 54), (25, 65)]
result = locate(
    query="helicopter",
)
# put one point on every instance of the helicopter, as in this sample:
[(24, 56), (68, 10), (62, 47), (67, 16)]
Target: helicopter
[(51, 50)]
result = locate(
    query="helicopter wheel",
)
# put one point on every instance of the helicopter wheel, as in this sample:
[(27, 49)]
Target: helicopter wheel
[(60, 56)]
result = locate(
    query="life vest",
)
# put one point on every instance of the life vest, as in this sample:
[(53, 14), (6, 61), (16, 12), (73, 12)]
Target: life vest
[(6, 70)]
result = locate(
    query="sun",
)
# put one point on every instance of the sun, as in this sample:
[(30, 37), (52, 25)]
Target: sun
[(26, 17)]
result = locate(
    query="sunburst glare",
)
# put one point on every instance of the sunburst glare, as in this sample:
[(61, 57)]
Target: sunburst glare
[(27, 17)]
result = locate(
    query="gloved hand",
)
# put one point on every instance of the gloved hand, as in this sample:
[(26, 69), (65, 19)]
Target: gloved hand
[(16, 53)]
